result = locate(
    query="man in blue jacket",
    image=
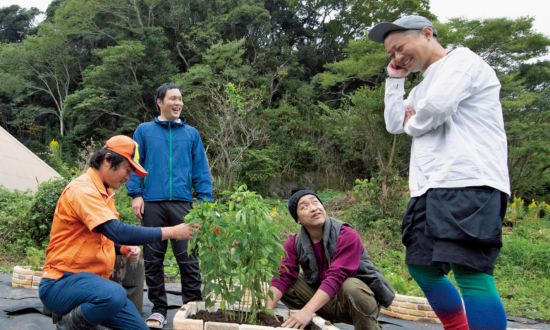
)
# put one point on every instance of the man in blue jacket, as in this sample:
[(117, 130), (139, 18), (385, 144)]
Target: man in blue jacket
[(173, 154)]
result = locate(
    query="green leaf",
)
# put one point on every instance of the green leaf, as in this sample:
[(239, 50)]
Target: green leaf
[(239, 293), (263, 228), (208, 303), (271, 312), (233, 299), (259, 295), (222, 305)]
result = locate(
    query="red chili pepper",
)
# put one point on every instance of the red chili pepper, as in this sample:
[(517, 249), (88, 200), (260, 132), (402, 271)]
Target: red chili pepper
[(230, 248), (227, 234), (237, 244), (211, 247)]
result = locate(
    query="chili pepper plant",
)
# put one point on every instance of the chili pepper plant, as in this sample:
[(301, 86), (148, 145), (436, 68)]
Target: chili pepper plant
[(239, 251)]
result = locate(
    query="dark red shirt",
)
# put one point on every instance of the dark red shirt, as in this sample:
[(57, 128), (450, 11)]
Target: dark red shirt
[(344, 264)]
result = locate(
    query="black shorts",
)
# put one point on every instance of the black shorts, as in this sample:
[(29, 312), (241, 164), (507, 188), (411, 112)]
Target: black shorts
[(455, 225)]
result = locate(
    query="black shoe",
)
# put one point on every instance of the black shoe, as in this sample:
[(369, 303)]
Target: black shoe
[(75, 320)]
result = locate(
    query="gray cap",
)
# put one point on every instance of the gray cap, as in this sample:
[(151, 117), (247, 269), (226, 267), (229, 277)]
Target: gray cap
[(381, 30)]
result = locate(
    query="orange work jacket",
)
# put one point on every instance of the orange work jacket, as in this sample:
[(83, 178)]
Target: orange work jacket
[(75, 246)]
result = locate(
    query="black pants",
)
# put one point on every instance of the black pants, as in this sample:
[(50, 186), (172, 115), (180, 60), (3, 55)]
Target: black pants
[(167, 214), (455, 225)]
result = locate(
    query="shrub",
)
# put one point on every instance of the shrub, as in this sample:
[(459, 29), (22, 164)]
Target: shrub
[(528, 244), (327, 195), (239, 251), (123, 204), (53, 158), (35, 257), (13, 205), (380, 207), (36, 224), (257, 168)]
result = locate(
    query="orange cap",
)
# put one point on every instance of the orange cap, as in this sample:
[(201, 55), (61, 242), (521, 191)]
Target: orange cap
[(128, 148)]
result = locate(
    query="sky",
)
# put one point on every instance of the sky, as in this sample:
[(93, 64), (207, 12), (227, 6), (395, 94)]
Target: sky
[(443, 9)]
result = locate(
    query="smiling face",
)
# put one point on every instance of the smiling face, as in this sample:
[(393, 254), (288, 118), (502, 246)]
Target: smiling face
[(311, 212), (170, 107), (114, 178), (410, 49)]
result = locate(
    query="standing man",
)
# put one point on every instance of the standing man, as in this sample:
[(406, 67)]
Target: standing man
[(173, 154), (458, 170), (338, 280)]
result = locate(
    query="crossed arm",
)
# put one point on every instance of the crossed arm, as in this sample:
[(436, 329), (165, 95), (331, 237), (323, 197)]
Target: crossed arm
[(432, 109)]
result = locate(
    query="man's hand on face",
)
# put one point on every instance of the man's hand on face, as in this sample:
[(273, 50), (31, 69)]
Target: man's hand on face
[(138, 206), (409, 112), (299, 320), (396, 71), (133, 253)]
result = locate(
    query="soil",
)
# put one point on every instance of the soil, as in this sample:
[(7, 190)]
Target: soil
[(262, 319)]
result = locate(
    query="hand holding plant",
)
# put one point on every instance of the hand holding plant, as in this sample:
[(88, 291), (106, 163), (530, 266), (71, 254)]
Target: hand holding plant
[(185, 231)]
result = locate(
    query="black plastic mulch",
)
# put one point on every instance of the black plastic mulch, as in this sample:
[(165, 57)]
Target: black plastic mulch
[(21, 309)]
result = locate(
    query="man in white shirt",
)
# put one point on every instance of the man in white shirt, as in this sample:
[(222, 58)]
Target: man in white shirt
[(458, 170)]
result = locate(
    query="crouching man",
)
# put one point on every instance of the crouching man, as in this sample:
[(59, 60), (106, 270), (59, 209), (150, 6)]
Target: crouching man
[(339, 282), (84, 237)]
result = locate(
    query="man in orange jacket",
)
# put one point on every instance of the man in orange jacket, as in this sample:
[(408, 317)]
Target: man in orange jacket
[(84, 239)]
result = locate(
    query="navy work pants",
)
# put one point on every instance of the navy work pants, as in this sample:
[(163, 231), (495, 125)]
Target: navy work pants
[(167, 214), (103, 301)]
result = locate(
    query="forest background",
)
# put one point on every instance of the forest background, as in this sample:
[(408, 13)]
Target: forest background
[(286, 94)]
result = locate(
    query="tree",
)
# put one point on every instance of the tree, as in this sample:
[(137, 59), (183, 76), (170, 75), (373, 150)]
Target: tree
[(42, 64), (15, 23), (526, 105), (361, 124), (504, 43), (122, 86), (221, 100)]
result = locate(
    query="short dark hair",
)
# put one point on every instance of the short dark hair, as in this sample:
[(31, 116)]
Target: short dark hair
[(115, 159), (161, 93)]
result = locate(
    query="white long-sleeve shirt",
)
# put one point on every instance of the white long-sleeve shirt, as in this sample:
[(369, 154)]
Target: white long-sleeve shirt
[(458, 130)]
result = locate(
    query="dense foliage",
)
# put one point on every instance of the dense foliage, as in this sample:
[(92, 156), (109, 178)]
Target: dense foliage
[(278, 89)]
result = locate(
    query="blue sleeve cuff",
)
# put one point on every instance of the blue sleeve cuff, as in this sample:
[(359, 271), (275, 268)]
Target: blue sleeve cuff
[(123, 234), (117, 249)]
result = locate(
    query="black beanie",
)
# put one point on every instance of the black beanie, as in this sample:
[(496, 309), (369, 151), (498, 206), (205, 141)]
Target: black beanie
[(293, 201)]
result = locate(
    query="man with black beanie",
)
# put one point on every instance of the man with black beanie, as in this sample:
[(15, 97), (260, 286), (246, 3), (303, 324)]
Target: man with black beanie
[(338, 282)]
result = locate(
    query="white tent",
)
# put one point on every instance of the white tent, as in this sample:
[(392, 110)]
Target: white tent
[(20, 168)]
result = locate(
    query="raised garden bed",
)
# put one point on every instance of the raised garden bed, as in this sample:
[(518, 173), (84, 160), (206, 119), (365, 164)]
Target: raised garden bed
[(25, 277), (183, 320), (411, 309)]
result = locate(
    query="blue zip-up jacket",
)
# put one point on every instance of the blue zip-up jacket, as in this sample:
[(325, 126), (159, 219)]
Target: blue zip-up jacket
[(174, 156)]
